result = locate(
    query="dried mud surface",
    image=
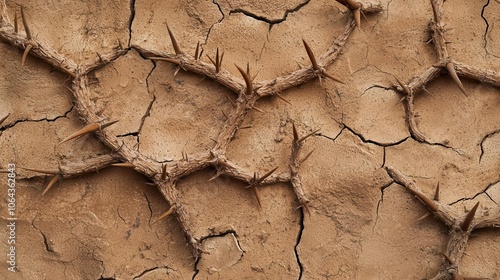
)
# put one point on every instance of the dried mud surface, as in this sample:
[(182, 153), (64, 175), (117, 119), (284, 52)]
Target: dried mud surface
[(359, 222)]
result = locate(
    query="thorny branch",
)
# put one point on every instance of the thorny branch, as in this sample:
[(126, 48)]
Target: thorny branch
[(165, 175), (460, 225)]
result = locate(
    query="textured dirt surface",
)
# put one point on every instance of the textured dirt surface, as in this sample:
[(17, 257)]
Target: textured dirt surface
[(359, 222)]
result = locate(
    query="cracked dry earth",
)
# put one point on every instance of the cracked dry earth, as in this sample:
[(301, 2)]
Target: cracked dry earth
[(274, 171)]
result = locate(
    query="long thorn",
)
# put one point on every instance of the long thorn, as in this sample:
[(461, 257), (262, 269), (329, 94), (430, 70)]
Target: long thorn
[(282, 98), (51, 172), (427, 201), (257, 196), (436, 194), (103, 126), (306, 157), (407, 91), (220, 61), (217, 66), (177, 49), (326, 74), (164, 172), (308, 135), (357, 17), (295, 133), (265, 176), (453, 73), (25, 23), (247, 79), (468, 220), (16, 28), (86, 130), (427, 214), (215, 176), (196, 52), (213, 62), (4, 118), (257, 109), (54, 180), (164, 215), (171, 60), (231, 101), (311, 55), (25, 53), (123, 164)]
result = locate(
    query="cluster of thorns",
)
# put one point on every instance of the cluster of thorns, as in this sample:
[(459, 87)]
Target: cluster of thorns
[(165, 175)]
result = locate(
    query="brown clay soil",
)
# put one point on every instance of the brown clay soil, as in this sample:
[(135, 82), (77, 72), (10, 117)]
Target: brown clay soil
[(194, 139)]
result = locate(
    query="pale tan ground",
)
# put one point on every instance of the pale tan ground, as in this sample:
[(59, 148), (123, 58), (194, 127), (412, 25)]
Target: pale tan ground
[(361, 226)]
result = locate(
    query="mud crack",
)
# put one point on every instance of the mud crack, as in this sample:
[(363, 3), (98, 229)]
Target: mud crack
[(269, 20), (299, 237), (487, 24), (131, 21), (37, 120)]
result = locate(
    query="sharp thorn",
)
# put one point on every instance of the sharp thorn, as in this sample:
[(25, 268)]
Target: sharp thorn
[(196, 52), (164, 171), (215, 176), (453, 73), (257, 109), (364, 16), (401, 100), (177, 69), (213, 62), (25, 54), (436, 194), (255, 76), (41, 170), (261, 179), (427, 201), (164, 215), (427, 214), (311, 55), (103, 126), (100, 58), (171, 60), (295, 133), (123, 164), (468, 219), (224, 114), (231, 101), (86, 130), (248, 68), (407, 91), (282, 98), (257, 196), (25, 23), (4, 118), (306, 157), (52, 182), (16, 28), (248, 81), (245, 127), (308, 135), (332, 77), (217, 66), (177, 49), (357, 17), (220, 61)]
